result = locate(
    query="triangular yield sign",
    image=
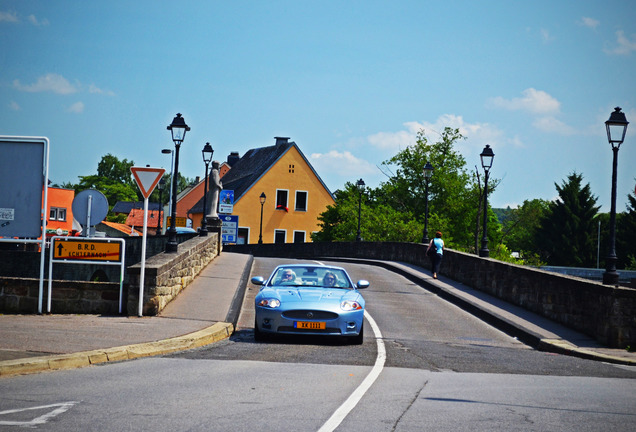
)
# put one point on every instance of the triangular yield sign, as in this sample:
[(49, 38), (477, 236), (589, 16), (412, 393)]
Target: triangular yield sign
[(147, 178)]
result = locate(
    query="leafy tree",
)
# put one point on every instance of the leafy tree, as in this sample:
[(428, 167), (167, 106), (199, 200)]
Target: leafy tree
[(626, 235), (567, 234), (520, 226)]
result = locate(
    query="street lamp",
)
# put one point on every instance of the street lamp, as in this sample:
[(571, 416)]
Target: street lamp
[(260, 235), (428, 173), (171, 153), (487, 157), (178, 129), (207, 157), (160, 186), (360, 184), (616, 128)]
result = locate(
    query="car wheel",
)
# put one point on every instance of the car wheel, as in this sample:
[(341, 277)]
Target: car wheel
[(357, 340)]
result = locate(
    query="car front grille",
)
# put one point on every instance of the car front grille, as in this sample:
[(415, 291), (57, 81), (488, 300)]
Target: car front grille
[(309, 315), (328, 330)]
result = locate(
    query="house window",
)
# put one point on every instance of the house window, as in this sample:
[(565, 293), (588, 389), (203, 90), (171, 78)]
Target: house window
[(299, 236), (281, 199), (301, 201), (280, 236), (57, 213), (291, 169)]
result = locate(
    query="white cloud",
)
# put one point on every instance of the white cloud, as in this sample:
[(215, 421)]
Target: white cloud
[(9, 17), (553, 125), (625, 45), (342, 162), (534, 101), (94, 89), (33, 20), (48, 83), (590, 22), (13, 105), (545, 36), (77, 108)]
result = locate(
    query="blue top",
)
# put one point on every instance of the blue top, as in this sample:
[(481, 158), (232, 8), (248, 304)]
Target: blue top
[(439, 244)]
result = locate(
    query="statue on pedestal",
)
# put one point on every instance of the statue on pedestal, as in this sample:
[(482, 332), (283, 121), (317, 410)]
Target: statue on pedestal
[(214, 189)]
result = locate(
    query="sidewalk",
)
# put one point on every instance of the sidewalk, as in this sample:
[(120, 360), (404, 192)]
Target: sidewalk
[(205, 312), (208, 311)]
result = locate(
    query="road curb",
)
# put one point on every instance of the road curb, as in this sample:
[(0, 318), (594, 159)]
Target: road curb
[(206, 336)]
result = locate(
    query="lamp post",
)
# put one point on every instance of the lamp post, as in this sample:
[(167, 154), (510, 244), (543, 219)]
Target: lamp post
[(171, 153), (160, 186), (178, 129), (616, 128), (207, 153), (487, 157), (360, 184), (260, 234), (428, 173)]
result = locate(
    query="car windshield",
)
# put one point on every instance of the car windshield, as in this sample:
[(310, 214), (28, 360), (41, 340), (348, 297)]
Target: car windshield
[(327, 277)]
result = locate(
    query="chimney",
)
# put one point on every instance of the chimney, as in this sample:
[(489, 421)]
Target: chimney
[(233, 158), (281, 140)]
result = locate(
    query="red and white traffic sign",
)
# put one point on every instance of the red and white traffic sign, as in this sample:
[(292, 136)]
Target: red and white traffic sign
[(147, 178)]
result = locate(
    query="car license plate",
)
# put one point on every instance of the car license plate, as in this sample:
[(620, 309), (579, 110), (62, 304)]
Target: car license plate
[(310, 325)]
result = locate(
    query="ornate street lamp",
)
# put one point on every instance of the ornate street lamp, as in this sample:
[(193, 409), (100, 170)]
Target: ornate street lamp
[(178, 129), (487, 157), (616, 128), (207, 152), (428, 173), (360, 184), (260, 235), (160, 186)]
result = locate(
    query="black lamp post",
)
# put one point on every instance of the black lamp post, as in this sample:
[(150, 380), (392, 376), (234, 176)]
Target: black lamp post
[(178, 129), (428, 173), (260, 235), (160, 186), (207, 157), (360, 184), (616, 128), (487, 157)]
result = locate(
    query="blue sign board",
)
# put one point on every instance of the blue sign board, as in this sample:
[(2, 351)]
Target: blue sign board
[(226, 201), (229, 228)]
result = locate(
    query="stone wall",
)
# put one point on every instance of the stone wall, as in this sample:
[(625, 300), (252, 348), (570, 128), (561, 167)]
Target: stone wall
[(172, 272), (20, 295), (167, 274), (603, 312)]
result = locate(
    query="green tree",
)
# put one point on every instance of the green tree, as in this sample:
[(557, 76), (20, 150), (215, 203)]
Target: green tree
[(568, 230), (626, 235)]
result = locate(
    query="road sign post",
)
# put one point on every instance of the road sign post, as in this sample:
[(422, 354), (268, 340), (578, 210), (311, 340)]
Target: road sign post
[(77, 250), (147, 179)]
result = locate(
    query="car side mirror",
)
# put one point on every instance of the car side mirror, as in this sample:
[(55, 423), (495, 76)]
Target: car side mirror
[(362, 284), (258, 280)]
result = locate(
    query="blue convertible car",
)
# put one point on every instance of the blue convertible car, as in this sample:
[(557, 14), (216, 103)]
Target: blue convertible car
[(309, 299)]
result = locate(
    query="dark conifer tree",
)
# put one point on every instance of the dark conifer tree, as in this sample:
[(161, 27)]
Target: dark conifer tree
[(568, 235)]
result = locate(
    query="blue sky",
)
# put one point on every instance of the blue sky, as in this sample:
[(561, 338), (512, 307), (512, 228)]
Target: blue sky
[(351, 82)]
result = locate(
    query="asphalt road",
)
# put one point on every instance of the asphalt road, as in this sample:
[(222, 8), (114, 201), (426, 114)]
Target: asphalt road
[(434, 367)]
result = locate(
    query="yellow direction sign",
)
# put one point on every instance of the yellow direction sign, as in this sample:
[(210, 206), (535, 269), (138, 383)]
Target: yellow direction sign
[(86, 250)]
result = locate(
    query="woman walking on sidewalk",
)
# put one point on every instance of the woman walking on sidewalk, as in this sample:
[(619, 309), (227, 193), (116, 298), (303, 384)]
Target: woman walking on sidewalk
[(436, 251)]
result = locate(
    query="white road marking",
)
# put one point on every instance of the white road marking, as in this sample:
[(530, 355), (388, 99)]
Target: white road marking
[(339, 415), (60, 408)]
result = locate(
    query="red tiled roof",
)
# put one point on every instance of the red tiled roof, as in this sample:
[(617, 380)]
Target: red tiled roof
[(136, 218), (126, 229)]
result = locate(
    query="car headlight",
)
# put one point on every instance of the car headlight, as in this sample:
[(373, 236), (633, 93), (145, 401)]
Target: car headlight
[(349, 305), (269, 303)]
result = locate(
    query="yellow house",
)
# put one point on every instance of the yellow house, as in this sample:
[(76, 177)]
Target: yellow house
[(295, 195)]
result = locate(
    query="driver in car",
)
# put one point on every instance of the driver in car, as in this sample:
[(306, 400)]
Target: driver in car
[(329, 280)]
